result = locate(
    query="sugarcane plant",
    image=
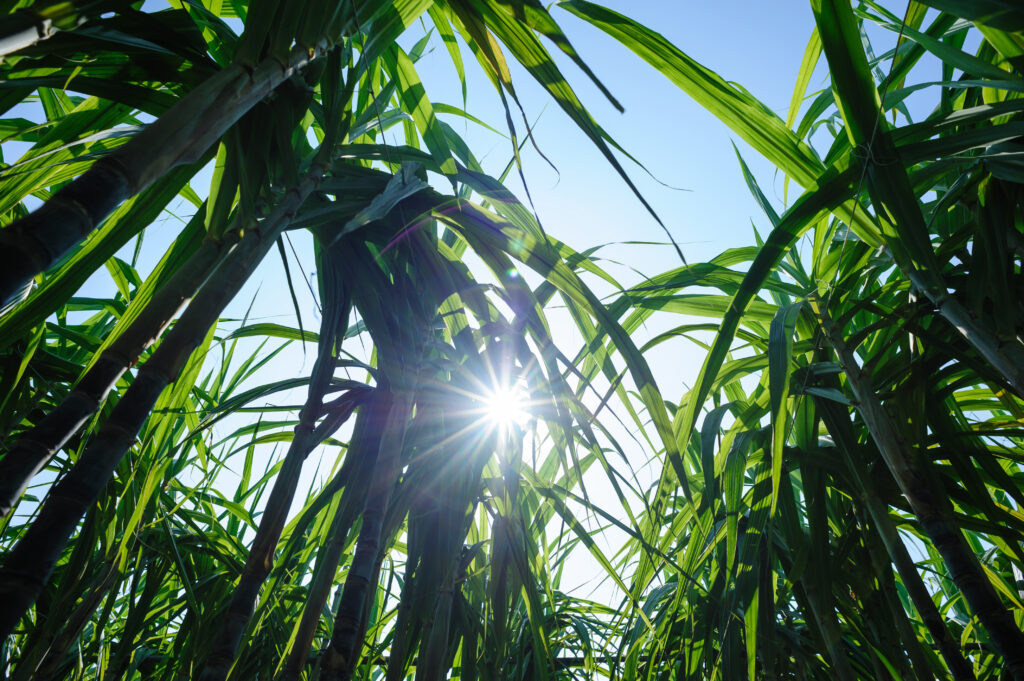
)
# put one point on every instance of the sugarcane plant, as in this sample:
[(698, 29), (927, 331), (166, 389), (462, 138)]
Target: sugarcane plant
[(859, 449), (92, 408), (837, 495)]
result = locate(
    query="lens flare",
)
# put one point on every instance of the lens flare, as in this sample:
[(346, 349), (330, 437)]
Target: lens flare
[(506, 407)]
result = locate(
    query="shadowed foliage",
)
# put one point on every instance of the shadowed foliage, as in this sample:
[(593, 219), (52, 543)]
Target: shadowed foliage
[(838, 495)]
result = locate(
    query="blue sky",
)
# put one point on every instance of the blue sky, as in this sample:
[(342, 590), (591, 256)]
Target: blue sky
[(586, 203)]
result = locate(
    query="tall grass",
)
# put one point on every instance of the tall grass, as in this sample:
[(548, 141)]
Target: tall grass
[(838, 494)]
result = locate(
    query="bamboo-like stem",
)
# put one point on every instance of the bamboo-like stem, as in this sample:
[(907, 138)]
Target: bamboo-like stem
[(37, 446), (817, 584), (432, 662), (34, 243), (828, 629), (1006, 357), (29, 25), (932, 509), (904, 630), (28, 565), (396, 667), (359, 461), (261, 556), (838, 425), (340, 656), (26, 29), (409, 625)]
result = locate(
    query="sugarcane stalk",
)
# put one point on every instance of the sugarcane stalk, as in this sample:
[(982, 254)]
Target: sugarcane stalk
[(359, 461), (340, 657), (838, 425), (419, 554), (1005, 357), (818, 584), (828, 629), (260, 560), (432, 662), (34, 448), (904, 631), (931, 508), (29, 564), (33, 243), (29, 25), (398, 659), (261, 556), (28, 29)]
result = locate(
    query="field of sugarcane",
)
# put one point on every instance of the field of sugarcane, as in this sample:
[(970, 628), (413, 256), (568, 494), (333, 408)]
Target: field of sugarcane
[(837, 496)]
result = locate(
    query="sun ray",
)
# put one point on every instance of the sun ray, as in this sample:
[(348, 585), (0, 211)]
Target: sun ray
[(506, 407)]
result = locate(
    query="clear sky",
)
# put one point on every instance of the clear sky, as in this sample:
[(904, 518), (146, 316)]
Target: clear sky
[(586, 204)]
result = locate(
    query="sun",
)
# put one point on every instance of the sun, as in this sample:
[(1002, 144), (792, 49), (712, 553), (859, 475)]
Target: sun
[(505, 407)]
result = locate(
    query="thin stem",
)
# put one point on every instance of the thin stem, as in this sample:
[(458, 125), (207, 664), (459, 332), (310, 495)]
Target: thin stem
[(359, 463), (838, 425), (261, 556)]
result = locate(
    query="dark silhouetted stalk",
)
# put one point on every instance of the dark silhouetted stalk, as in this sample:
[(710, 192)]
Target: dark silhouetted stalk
[(29, 25), (340, 656), (818, 584), (261, 556), (135, 622), (37, 446), (838, 424), (434, 658), (34, 243), (28, 565), (359, 463)]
